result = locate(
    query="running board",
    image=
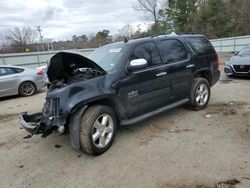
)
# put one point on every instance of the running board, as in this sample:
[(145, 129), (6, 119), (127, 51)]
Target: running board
[(152, 113)]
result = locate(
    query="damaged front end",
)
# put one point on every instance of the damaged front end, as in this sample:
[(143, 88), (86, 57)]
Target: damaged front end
[(44, 122), (66, 73)]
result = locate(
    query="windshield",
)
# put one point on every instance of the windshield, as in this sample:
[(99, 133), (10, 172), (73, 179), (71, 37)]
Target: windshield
[(107, 57), (245, 51)]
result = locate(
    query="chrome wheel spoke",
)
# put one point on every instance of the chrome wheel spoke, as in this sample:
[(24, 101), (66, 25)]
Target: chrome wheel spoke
[(102, 141), (105, 120), (98, 125), (109, 129), (205, 92), (96, 136)]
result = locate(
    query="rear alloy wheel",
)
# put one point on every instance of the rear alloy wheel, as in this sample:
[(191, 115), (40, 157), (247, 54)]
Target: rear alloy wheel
[(98, 128), (27, 89), (200, 94)]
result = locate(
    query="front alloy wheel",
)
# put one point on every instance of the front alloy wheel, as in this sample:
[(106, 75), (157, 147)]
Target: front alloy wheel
[(97, 129), (103, 131)]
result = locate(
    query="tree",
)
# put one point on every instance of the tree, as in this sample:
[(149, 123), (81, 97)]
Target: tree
[(151, 7), (20, 38), (179, 12), (214, 19), (239, 16), (127, 31)]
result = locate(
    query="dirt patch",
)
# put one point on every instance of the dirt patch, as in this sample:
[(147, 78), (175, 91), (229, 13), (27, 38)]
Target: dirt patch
[(225, 109), (7, 117), (154, 131)]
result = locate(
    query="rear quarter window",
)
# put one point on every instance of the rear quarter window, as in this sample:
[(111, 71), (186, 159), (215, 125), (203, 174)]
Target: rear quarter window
[(17, 70), (200, 45)]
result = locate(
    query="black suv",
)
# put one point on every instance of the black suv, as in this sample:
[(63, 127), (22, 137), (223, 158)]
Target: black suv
[(123, 83)]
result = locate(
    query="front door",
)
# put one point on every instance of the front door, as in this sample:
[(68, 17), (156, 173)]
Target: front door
[(144, 90)]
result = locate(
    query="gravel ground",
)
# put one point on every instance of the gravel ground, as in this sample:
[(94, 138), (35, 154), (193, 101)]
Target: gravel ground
[(180, 148)]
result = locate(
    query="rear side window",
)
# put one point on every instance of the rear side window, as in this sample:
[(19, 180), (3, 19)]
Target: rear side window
[(147, 51), (17, 70), (200, 45), (4, 71), (172, 50)]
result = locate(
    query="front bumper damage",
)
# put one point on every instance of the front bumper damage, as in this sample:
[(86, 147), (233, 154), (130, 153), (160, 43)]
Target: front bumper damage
[(33, 124), (46, 121)]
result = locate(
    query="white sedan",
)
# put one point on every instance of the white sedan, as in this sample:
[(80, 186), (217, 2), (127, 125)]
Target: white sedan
[(22, 81)]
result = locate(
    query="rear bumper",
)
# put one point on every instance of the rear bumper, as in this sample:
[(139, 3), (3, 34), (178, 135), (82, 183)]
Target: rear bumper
[(215, 77), (40, 84)]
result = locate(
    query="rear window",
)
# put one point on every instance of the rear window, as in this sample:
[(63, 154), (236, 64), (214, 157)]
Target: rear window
[(200, 45)]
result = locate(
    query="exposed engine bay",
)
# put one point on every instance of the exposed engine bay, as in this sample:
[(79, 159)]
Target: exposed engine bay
[(66, 68)]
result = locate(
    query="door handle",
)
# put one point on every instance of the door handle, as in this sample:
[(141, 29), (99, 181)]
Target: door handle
[(161, 74), (190, 66)]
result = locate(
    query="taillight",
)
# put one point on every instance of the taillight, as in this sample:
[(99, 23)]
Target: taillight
[(40, 73), (217, 62)]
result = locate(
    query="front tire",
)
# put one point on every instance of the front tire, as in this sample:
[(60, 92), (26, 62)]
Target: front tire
[(27, 89), (97, 129), (200, 94)]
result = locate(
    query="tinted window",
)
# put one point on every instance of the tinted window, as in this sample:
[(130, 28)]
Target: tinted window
[(172, 50), (17, 70), (147, 51), (6, 71), (200, 45)]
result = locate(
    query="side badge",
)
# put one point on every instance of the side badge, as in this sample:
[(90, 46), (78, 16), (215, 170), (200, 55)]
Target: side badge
[(132, 94)]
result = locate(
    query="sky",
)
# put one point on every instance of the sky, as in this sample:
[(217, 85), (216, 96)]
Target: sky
[(61, 19)]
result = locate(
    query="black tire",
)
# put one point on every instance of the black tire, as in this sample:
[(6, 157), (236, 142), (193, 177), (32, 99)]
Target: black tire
[(27, 88), (88, 129), (194, 103)]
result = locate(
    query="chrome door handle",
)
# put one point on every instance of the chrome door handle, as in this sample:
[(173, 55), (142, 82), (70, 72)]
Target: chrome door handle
[(190, 66), (161, 74)]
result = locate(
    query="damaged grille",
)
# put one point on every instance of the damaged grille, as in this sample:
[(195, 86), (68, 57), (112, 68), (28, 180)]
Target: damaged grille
[(50, 109)]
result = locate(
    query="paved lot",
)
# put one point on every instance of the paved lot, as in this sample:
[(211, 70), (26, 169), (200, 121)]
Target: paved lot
[(179, 148)]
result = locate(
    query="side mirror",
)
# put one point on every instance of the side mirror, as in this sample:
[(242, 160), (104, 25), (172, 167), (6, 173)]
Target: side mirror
[(236, 53), (137, 64)]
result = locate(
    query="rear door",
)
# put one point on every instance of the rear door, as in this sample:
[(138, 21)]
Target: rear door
[(146, 89), (8, 81), (179, 64)]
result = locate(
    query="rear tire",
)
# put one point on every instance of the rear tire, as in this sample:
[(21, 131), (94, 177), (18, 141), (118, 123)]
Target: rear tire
[(200, 94), (97, 129), (27, 89)]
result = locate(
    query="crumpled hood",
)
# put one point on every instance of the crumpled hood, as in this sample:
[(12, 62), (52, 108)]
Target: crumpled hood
[(62, 65), (240, 60)]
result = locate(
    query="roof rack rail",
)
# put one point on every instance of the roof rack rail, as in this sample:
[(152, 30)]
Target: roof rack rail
[(188, 33)]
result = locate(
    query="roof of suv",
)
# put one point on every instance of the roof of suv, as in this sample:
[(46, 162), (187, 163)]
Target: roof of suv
[(154, 37)]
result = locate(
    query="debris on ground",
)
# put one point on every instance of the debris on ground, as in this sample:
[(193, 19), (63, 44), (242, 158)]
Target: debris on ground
[(180, 130), (58, 146), (208, 116), (28, 136), (227, 182), (20, 166)]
